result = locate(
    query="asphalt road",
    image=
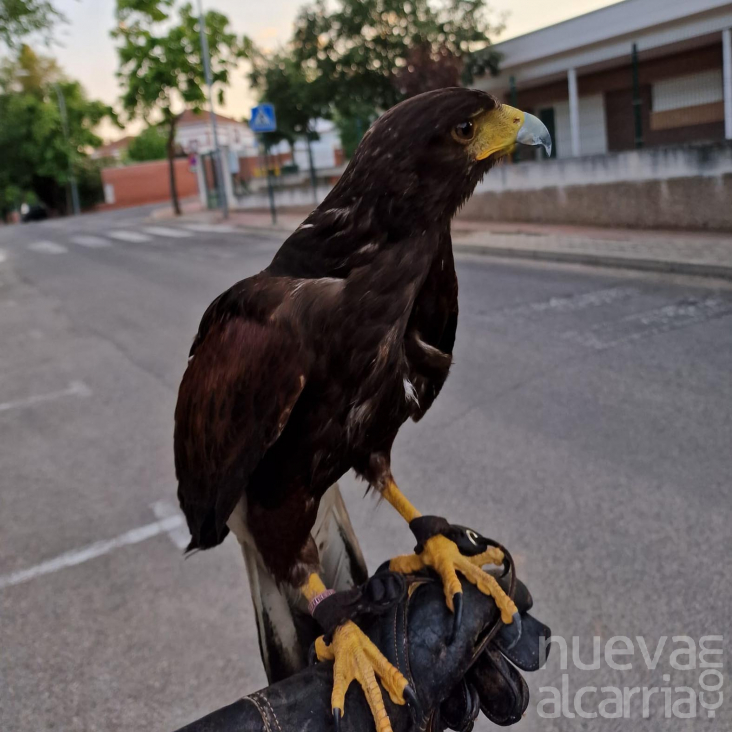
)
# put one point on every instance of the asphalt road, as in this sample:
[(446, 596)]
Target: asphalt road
[(586, 424)]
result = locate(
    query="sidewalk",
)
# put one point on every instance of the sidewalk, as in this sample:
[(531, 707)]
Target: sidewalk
[(698, 253)]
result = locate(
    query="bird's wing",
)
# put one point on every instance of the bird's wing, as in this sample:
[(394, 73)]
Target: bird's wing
[(242, 382), (430, 335)]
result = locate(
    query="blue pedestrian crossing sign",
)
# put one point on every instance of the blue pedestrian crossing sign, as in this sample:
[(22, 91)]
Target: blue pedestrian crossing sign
[(263, 119)]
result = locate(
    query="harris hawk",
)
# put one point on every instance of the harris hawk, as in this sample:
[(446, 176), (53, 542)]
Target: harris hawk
[(308, 370)]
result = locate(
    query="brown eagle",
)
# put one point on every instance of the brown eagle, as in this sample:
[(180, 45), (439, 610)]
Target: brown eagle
[(309, 369)]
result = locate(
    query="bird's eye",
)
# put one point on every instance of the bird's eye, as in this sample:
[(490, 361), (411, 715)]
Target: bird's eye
[(464, 131)]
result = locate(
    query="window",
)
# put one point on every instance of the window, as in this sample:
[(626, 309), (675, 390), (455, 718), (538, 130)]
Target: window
[(694, 99)]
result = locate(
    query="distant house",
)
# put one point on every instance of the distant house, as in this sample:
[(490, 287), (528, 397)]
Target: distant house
[(114, 150), (327, 149), (195, 134), (581, 78)]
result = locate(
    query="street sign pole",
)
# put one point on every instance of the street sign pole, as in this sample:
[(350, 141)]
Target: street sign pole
[(218, 161), (263, 120), (270, 188)]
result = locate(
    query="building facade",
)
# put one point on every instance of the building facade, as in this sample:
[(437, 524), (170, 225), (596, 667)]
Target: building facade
[(194, 134), (641, 73)]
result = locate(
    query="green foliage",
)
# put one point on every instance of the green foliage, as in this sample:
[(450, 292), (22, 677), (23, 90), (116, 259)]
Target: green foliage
[(150, 144), (34, 150), (19, 18), (160, 63), (352, 127), (88, 174), (357, 48), (280, 80), (350, 59)]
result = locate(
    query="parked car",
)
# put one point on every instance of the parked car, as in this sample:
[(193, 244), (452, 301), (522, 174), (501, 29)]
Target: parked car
[(36, 212)]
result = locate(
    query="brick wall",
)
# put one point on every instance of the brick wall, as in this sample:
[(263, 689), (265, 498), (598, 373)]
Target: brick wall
[(133, 185)]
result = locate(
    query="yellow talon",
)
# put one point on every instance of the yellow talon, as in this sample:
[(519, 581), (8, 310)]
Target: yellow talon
[(356, 658), (445, 558)]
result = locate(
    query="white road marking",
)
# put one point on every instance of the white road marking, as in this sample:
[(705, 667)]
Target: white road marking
[(48, 247), (211, 228), (93, 242), (563, 304), (179, 534), (170, 233), (91, 551), (75, 388), (652, 322), (131, 236)]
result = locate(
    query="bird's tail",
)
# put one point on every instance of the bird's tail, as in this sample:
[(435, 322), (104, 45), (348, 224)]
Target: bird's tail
[(286, 630)]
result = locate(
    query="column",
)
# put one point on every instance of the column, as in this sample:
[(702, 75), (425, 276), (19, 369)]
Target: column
[(727, 81), (201, 177), (574, 120)]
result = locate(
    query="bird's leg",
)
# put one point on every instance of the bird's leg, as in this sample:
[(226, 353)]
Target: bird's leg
[(355, 658), (444, 557)]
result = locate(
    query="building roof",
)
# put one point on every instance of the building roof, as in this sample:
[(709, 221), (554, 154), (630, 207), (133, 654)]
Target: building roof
[(603, 36), (189, 117), (110, 148)]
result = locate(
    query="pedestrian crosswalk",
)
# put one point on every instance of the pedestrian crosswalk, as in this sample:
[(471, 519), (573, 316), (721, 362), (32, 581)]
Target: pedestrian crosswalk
[(47, 247), (93, 242), (204, 228), (115, 237), (167, 231), (134, 237)]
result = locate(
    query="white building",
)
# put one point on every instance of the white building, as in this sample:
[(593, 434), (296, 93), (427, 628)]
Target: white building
[(580, 78), (194, 134)]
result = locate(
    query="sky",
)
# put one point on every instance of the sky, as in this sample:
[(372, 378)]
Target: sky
[(87, 53)]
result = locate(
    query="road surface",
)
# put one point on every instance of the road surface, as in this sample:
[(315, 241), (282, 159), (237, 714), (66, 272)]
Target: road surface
[(586, 424)]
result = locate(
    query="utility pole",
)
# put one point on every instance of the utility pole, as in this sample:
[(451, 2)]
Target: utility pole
[(270, 188), (65, 124), (218, 162)]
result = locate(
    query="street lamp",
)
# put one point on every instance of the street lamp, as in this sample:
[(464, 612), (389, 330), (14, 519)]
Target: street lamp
[(218, 162), (65, 124)]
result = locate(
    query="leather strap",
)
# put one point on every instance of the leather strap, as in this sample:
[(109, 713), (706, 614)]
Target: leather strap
[(377, 595)]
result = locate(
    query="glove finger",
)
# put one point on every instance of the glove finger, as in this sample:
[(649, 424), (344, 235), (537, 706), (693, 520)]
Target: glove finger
[(503, 693), (462, 706), (530, 651)]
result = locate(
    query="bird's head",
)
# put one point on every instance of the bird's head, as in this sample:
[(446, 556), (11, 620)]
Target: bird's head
[(423, 158)]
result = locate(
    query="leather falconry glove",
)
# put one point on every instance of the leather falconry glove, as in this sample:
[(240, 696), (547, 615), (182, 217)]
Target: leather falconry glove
[(409, 622)]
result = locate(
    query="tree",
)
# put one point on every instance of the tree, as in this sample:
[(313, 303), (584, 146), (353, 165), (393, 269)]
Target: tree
[(160, 63), (358, 49), (150, 144), (19, 18), (28, 72), (299, 101), (351, 59), (427, 69), (36, 155)]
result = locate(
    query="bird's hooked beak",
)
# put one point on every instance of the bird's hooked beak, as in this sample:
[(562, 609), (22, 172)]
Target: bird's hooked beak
[(501, 129)]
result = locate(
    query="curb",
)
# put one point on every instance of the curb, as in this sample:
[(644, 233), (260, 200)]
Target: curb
[(543, 255), (599, 260)]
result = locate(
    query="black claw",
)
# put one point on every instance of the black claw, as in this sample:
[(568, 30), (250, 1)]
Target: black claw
[(410, 697), (337, 719), (511, 634), (457, 616)]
